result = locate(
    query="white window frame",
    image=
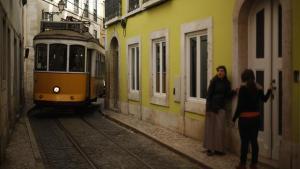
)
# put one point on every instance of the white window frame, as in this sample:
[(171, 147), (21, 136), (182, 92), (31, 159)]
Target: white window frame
[(160, 42), (68, 44), (134, 42), (151, 3), (198, 36), (155, 37), (135, 10), (191, 104)]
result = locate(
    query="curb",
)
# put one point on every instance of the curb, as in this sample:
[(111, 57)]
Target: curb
[(170, 147), (34, 146), (158, 141)]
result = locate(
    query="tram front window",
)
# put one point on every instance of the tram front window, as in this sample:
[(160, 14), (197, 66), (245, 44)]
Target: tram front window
[(77, 59), (58, 57), (41, 57)]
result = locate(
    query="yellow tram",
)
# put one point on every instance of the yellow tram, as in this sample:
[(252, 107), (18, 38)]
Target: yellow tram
[(69, 65)]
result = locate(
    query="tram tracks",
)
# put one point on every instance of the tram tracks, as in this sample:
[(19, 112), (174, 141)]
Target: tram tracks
[(89, 140), (84, 154), (61, 130), (121, 147), (76, 145)]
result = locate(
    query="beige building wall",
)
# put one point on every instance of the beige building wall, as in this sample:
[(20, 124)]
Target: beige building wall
[(11, 67)]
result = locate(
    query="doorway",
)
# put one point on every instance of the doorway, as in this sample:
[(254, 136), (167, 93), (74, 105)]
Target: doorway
[(265, 55), (114, 82)]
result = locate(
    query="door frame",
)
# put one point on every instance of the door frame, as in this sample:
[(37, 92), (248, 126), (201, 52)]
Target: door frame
[(240, 62), (269, 137), (112, 85)]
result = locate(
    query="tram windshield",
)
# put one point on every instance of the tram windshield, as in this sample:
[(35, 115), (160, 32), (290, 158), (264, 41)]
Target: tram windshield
[(77, 58), (41, 57), (58, 57)]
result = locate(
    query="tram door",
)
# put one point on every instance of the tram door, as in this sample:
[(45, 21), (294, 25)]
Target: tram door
[(89, 71), (265, 59)]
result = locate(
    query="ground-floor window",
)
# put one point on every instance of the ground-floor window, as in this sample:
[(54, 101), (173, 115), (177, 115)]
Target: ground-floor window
[(134, 67), (159, 52), (159, 66), (196, 62), (196, 65)]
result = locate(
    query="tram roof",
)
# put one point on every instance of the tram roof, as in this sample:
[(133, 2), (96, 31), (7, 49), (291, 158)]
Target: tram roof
[(67, 35)]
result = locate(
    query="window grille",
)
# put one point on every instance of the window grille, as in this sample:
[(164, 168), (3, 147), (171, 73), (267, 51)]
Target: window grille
[(133, 4), (112, 9)]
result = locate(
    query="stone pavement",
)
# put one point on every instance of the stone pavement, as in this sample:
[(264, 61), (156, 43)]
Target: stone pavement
[(22, 151), (188, 147)]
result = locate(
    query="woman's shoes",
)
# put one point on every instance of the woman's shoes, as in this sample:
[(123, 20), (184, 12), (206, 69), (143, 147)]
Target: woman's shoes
[(241, 167), (210, 153), (219, 153), (253, 166)]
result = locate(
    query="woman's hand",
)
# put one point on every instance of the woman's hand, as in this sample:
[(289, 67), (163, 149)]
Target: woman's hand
[(232, 124), (235, 92)]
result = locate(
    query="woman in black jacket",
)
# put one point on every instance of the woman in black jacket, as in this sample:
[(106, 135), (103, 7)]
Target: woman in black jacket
[(219, 92), (250, 98)]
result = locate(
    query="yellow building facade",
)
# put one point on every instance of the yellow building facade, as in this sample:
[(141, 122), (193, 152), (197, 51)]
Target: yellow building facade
[(161, 55)]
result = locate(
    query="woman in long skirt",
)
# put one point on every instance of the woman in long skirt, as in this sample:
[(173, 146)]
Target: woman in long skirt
[(219, 92)]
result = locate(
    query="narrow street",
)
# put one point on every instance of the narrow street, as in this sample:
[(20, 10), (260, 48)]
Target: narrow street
[(89, 140), (158, 84)]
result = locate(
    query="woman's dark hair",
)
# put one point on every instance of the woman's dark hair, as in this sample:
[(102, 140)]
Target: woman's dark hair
[(249, 78)]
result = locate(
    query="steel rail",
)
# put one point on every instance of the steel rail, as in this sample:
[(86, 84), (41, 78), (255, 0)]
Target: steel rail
[(76, 145), (109, 138)]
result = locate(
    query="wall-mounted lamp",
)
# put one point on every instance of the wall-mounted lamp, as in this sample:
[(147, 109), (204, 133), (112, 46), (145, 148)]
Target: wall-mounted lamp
[(123, 25)]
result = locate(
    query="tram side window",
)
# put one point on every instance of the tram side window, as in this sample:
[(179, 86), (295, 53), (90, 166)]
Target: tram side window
[(58, 57), (77, 58), (41, 57), (102, 67)]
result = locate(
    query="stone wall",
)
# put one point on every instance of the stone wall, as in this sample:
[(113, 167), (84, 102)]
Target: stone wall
[(11, 68)]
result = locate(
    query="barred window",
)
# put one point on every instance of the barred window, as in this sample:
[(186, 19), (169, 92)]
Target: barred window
[(86, 9), (133, 4), (95, 10), (112, 9), (76, 6), (66, 3)]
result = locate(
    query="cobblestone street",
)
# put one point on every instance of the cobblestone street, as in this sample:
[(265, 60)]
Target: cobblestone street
[(149, 84), (89, 140)]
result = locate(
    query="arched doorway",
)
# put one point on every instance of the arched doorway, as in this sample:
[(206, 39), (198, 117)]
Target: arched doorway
[(261, 27), (114, 81)]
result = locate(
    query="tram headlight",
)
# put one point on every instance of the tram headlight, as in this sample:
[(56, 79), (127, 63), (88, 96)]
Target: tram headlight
[(56, 89)]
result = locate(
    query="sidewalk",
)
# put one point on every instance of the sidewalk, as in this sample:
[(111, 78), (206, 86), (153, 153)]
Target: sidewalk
[(22, 151), (188, 147)]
